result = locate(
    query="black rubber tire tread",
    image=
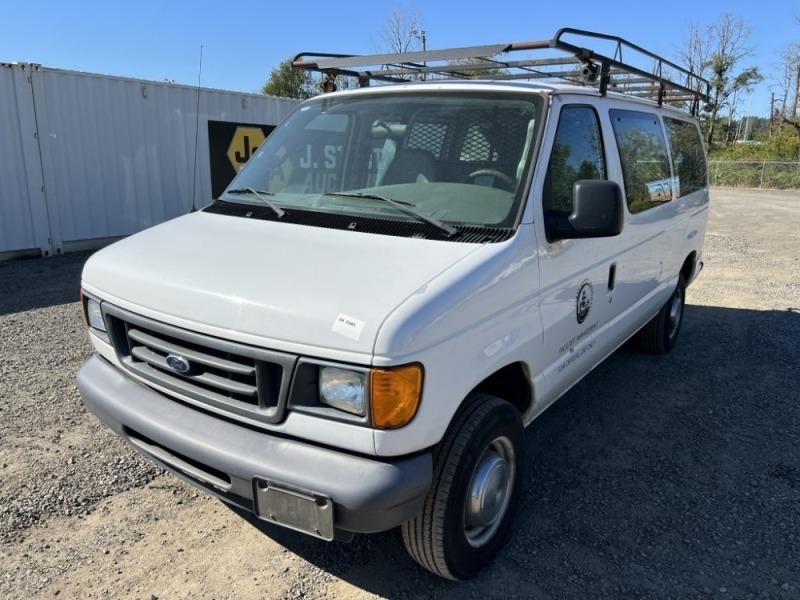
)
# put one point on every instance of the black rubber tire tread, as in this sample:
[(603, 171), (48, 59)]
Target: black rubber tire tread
[(654, 337), (424, 535)]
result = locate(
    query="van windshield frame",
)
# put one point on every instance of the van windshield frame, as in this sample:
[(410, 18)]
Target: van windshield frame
[(460, 157)]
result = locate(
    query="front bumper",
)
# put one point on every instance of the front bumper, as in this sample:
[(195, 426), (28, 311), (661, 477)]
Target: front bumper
[(227, 459)]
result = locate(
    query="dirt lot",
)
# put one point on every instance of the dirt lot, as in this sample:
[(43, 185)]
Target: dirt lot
[(656, 477)]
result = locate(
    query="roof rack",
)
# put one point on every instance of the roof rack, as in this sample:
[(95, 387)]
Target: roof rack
[(556, 59)]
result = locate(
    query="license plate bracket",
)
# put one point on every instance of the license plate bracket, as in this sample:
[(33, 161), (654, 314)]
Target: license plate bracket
[(302, 511)]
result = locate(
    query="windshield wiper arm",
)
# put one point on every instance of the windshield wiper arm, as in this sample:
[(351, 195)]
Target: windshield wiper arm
[(261, 195), (405, 207)]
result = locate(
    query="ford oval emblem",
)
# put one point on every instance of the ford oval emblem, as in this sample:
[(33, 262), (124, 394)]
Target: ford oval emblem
[(178, 363)]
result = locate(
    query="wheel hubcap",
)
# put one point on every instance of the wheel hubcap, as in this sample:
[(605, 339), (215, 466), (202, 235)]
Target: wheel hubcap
[(675, 312), (489, 492)]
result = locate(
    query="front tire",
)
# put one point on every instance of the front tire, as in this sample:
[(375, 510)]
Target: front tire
[(660, 335), (477, 483)]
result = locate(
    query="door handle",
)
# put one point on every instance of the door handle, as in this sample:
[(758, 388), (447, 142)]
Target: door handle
[(612, 277)]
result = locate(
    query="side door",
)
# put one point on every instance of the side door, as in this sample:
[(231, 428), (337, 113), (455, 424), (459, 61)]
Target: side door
[(576, 275), (647, 266)]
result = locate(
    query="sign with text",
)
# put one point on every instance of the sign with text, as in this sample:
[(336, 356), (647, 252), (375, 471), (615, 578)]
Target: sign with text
[(230, 146)]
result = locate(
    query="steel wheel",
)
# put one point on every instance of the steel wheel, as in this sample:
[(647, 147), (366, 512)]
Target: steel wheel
[(477, 483), (490, 492), (660, 334), (675, 312)]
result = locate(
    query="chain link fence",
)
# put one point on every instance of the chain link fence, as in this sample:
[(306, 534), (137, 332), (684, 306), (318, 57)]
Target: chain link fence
[(772, 174)]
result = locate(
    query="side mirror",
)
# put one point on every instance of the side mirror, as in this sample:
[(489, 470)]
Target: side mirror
[(598, 211)]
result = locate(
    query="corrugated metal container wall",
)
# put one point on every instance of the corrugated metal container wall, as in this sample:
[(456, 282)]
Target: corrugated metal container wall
[(23, 211), (117, 155)]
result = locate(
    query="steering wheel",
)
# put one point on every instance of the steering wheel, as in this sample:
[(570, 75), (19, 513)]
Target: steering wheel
[(508, 184)]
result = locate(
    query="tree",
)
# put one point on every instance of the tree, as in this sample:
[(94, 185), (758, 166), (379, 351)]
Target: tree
[(401, 32), (717, 56), (694, 53), (289, 82), (786, 109)]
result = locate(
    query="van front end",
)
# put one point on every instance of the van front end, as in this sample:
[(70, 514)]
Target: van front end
[(325, 492), (254, 378)]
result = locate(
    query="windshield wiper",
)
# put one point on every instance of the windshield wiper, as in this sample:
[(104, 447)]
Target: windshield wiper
[(261, 195), (400, 205)]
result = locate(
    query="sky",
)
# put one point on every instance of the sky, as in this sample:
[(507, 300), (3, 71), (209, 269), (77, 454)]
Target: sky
[(242, 41)]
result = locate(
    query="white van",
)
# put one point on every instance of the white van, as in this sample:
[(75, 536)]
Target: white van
[(401, 278)]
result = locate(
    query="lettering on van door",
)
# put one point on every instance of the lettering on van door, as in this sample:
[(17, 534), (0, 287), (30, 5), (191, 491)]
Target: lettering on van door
[(574, 356), (577, 339)]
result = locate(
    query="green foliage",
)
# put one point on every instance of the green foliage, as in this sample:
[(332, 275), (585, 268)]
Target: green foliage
[(289, 82), (782, 145), (734, 174), (756, 174), (771, 161)]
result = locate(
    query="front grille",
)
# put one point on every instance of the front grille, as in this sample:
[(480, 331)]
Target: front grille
[(242, 381)]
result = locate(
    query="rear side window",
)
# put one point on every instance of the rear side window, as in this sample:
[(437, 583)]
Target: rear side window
[(687, 156), (577, 154), (643, 154)]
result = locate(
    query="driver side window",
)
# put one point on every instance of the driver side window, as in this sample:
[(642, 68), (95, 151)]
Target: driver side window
[(577, 154)]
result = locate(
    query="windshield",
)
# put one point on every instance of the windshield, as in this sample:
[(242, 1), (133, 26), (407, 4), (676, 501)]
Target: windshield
[(446, 157)]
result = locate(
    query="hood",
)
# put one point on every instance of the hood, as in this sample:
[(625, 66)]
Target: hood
[(288, 287)]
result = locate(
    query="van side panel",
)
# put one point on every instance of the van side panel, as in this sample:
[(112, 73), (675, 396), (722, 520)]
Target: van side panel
[(480, 316)]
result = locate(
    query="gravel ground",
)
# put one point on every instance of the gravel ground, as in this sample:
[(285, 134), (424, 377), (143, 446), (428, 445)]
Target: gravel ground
[(656, 477)]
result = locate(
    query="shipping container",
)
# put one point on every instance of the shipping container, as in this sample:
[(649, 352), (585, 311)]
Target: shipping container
[(88, 158)]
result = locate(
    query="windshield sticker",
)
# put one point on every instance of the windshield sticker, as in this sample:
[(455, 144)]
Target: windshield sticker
[(348, 327)]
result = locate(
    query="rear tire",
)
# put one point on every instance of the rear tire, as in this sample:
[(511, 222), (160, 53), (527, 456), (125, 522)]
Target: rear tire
[(660, 335), (477, 483)]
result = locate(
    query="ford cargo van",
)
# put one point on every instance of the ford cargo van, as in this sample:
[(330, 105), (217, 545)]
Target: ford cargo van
[(354, 335)]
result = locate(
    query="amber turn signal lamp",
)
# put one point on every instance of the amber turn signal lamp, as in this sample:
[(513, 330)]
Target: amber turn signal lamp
[(395, 395)]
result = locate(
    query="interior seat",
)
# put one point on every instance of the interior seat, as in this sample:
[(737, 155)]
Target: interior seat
[(410, 166)]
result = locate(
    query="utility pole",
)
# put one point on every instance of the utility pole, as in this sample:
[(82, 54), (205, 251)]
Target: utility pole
[(420, 35), (771, 113), (796, 91), (747, 123)]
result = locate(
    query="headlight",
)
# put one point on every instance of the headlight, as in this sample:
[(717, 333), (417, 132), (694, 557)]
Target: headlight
[(383, 398), (343, 389), (93, 314)]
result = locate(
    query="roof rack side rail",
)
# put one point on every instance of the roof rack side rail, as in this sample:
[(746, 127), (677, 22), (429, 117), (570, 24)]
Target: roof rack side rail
[(576, 64)]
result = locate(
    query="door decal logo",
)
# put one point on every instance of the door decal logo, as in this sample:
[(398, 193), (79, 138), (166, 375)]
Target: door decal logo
[(583, 302)]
